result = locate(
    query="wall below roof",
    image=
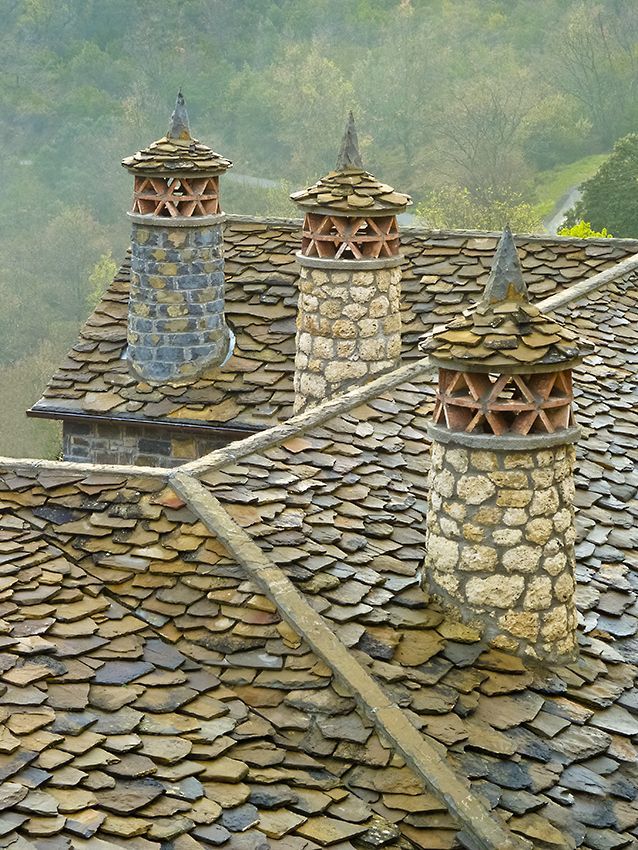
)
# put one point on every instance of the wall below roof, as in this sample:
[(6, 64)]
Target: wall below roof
[(97, 442)]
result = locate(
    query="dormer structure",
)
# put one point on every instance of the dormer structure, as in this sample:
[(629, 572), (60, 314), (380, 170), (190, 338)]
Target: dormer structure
[(500, 544), (348, 317)]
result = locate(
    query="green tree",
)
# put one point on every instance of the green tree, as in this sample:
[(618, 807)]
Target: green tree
[(455, 207), (583, 230), (481, 130), (312, 99), (100, 278), (21, 385), (610, 198), (593, 58), (399, 85)]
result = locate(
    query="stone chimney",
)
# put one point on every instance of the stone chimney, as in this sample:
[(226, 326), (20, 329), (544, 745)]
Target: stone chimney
[(500, 524), (176, 324), (348, 319)]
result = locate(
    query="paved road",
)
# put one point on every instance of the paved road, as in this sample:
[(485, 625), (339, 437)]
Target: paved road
[(568, 200)]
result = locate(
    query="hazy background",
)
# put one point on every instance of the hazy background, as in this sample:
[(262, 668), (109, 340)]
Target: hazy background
[(458, 103)]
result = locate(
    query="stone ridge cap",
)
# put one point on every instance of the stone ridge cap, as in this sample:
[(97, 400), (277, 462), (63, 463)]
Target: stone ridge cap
[(540, 238), (486, 829), (300, 423), (37, 465), (256, 219)]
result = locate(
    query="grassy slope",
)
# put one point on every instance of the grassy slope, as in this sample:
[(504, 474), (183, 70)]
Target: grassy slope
[(551, 186)]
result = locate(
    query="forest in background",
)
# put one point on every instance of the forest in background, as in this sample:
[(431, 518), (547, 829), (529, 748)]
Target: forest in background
[(453, 98)]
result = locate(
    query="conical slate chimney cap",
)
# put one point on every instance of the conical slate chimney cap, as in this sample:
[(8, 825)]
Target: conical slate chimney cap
[(350, 189), (180, 128), (177, 152), (505, 282), (504, 333), (349, 156)]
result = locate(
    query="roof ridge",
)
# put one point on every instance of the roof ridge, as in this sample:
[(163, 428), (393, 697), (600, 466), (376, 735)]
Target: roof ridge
[(36, 464), (590, 284), (486, 829), (308, 419)]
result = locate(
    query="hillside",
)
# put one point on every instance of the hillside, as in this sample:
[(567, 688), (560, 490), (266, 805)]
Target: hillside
[(484, 94)]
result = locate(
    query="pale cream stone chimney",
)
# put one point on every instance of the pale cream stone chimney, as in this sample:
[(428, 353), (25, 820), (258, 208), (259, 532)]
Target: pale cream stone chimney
[(500, 524), (348, 319)]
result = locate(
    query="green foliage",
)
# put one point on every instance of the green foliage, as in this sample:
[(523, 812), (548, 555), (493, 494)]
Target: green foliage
[(445, 94), (609, 198), (553, 185), (99, 279), (583, 230), (594, 61), (455, 207), (20, 386)]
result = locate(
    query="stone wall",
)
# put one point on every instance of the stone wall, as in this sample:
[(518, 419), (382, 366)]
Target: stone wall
[(176, 326), (97, 442), (348, 329), (500, 544)]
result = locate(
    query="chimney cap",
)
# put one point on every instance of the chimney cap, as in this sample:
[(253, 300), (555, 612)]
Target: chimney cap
[(504, 332), (350, 189), (349, 156), (177, 152), (505, 282), (180, 128)]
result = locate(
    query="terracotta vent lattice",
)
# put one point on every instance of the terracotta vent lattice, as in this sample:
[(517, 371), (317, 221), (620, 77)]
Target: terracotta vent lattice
[(173, 197), (344, 237), (504, 404)]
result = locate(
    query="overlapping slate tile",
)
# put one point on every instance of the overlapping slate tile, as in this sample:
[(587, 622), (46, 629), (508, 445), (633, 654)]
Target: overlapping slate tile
[(443, 270), (340, 509), (360, 484), (135, 736)]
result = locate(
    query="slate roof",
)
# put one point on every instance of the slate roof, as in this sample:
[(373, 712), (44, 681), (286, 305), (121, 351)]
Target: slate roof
[(106, 571), (116, 728), (442, 271)]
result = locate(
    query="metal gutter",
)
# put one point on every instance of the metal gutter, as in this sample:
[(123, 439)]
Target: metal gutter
[(236, 432)]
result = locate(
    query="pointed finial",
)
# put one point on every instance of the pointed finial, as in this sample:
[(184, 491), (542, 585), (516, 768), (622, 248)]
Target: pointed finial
[(179, 128), (349, 156), (505, 282)]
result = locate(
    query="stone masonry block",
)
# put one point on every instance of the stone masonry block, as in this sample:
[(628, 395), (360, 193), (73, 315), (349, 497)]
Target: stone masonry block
[(499, 546), (177, 327), (348, 330)]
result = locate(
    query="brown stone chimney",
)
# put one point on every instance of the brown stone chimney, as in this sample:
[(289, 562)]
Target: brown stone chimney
[(348, 319), (500, 524)]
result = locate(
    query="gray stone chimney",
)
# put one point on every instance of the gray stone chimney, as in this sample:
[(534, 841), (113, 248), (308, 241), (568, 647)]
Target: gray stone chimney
[(176, 324), (500, 524), (348, 319)]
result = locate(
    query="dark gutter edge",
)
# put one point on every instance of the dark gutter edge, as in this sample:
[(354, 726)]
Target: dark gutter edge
[(238, 431)]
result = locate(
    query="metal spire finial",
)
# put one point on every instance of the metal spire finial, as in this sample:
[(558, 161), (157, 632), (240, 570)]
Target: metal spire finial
[(505, 282), (349, 156), (179, 128)]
